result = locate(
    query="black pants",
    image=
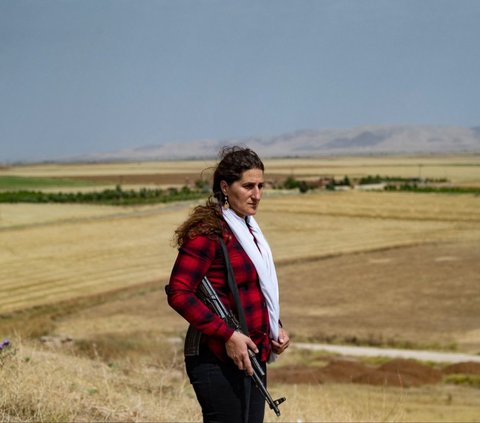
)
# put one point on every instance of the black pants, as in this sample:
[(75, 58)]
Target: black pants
[(225, 393)]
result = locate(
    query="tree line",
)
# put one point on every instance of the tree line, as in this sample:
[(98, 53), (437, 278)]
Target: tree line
[(425, 185), (120, 196), (117, 196)]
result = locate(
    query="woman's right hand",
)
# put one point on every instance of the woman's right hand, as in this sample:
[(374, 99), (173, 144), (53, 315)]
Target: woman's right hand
[(237, 349)]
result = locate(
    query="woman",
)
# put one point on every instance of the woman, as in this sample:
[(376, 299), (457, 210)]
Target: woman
[(219, 366)]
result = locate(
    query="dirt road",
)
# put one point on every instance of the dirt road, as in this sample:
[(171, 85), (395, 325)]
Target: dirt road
[(434, 356)]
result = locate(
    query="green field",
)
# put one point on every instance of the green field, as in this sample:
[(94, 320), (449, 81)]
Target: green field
[(12, 182)]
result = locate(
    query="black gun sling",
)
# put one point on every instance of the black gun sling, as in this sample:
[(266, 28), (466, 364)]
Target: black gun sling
[(193, 337)]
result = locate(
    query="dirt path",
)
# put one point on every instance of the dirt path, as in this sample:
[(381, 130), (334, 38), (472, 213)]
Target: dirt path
[(433, 356)]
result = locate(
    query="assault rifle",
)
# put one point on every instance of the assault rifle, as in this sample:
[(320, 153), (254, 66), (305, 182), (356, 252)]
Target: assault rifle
[(208, 295)]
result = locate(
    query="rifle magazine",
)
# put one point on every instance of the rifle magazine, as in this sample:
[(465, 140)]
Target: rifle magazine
[(192, 342)]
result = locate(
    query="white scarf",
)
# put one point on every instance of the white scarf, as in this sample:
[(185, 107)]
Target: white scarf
[(261, 256)]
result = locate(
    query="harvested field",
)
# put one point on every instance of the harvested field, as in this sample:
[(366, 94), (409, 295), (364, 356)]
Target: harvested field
[(21, 216), (365, 299), (460, 170), (358, 268), (99, 169), (88, 254)]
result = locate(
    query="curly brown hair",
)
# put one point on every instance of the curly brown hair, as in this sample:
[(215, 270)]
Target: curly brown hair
[(207, 219)]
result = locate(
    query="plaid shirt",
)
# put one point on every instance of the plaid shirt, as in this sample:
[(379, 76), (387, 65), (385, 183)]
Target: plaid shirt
[(202, 256)]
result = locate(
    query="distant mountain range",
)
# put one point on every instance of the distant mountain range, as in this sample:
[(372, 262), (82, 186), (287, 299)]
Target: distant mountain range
[(365, 140)]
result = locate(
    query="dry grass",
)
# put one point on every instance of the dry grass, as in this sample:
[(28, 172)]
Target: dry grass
[(352, 403), (92, 390)]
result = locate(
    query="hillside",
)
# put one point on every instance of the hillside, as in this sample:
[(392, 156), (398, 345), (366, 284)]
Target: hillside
[(365, 140)]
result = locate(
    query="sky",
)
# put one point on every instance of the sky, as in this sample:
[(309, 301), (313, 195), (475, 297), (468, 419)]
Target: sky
[(92, 76)]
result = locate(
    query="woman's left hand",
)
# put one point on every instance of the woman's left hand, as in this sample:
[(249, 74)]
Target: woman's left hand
[(281, 345)]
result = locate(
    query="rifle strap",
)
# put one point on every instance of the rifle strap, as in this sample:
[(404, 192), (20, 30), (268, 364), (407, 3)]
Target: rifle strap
[(193, 337), (234, 288), (247, 381)]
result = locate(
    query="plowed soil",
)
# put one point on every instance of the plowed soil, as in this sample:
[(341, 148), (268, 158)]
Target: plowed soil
[(184, 178), (397, 372), (419, 297)]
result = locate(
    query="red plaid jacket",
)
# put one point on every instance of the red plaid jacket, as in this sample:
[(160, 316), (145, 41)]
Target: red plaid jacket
[(203, 256)]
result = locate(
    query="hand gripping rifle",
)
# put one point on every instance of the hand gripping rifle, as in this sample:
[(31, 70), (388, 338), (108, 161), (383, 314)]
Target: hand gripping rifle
[(207, 294)]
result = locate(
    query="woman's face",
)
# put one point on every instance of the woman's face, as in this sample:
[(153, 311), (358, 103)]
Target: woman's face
[(244, 195)]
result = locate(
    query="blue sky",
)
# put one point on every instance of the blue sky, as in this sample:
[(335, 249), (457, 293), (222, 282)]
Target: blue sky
[(84, 76)]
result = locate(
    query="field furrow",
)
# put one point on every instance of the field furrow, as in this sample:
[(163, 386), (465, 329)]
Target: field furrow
[(65, 290)]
